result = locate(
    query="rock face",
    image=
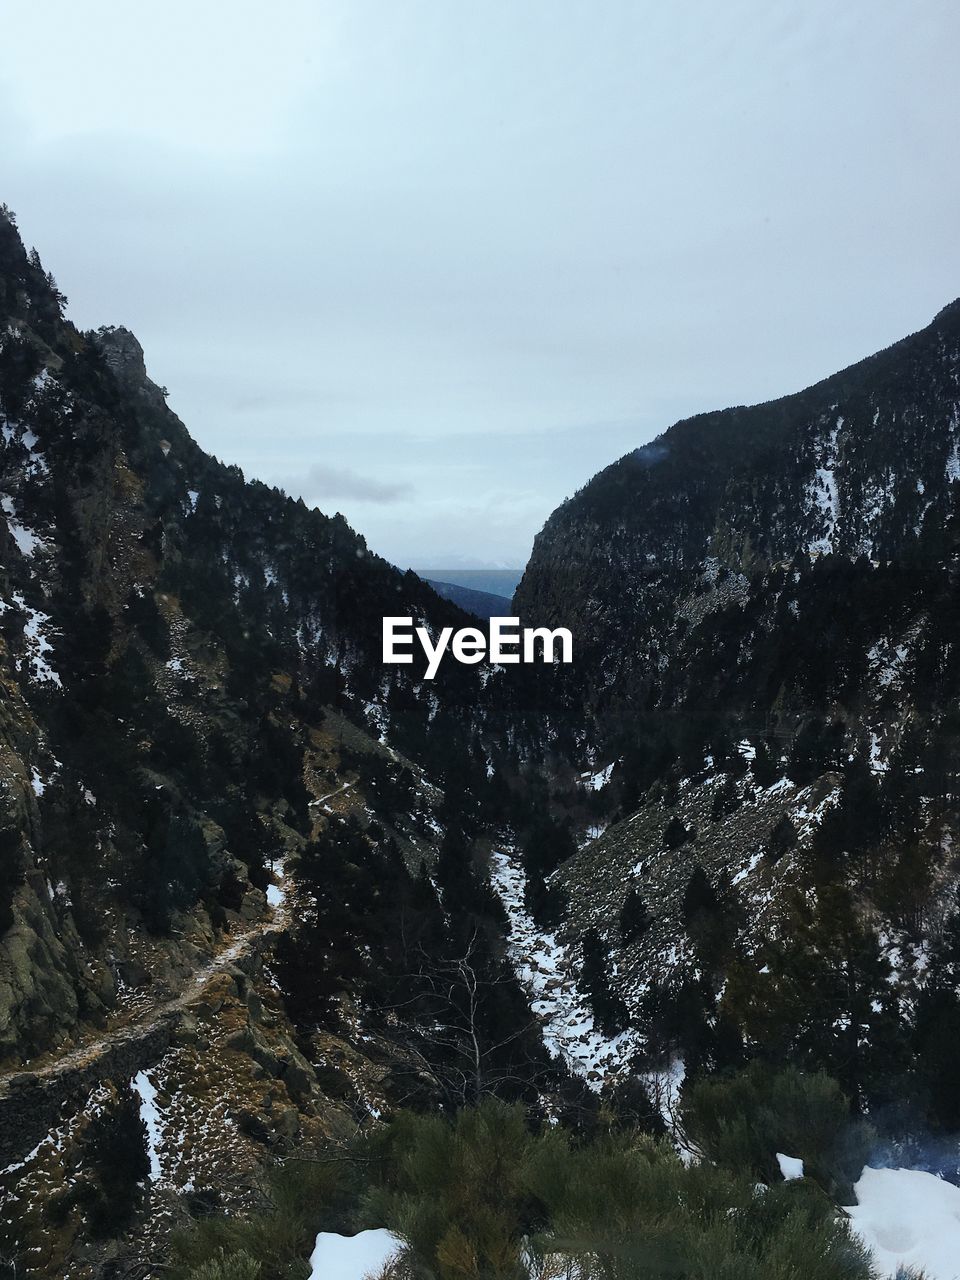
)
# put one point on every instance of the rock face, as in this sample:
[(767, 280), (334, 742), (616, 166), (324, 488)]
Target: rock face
[(123, 356)]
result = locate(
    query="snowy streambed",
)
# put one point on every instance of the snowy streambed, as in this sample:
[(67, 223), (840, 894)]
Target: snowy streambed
[(546, 971)]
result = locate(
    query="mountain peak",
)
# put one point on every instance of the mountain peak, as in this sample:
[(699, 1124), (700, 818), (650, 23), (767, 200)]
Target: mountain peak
[(124, 357)]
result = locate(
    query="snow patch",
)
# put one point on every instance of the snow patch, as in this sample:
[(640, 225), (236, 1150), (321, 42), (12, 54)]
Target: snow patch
[(908, 1218), (822, 498), (545, 968), (38, 646), (790, 1166), (27, 541), (145, 1090), (952, 469), (594, 781), (748, 869), (337, 1257)]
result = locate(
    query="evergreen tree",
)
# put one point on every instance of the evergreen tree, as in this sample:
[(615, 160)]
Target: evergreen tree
[(765, 765), (711, 922), (608, 1007), (548, 844), (11, 870), (782, 838), (726, 800), (936, 1031), (675, 834), (115, 1153), (634, 916)]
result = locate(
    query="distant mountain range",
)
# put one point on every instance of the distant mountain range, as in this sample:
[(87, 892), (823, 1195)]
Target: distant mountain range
[(482, 604), (495, 582)]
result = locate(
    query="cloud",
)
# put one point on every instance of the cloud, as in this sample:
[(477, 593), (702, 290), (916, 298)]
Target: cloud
[(649, 455), (319, 483)]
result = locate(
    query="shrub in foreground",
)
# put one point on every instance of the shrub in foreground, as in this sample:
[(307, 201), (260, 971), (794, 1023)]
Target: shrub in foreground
[(484, 1196), (741, 1121)]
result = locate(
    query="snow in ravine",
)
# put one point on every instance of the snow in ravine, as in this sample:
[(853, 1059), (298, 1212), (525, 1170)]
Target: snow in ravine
[(545, 968), (146, 1091), (277, 892), (822, 497)]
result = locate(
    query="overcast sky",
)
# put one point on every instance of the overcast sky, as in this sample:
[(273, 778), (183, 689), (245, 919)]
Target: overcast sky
[(434, 264)]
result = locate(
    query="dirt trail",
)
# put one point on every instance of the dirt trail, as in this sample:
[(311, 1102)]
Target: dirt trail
[(150, 1018), (154, 1015), (330, 794), (32, 1098)]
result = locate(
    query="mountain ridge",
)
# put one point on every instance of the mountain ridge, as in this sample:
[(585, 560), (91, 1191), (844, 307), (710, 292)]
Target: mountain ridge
[(752, 484)]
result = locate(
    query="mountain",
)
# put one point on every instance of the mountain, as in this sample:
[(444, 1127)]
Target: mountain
[(859, 466), (482, 604), (171, 633), (495, 582), (231, 882), (765, 611)]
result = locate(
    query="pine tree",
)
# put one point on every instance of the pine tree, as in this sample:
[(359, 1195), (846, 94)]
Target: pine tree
[(711, 922), (782, 838), (634, 916), (699, 897), (675, 834), (936, 1030), (11, 871), (115, 1150), (608, 1007), (726, 800), (765, 765)]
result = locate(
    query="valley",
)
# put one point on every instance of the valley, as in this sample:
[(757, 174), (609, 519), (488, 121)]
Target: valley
[(295, 941)]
